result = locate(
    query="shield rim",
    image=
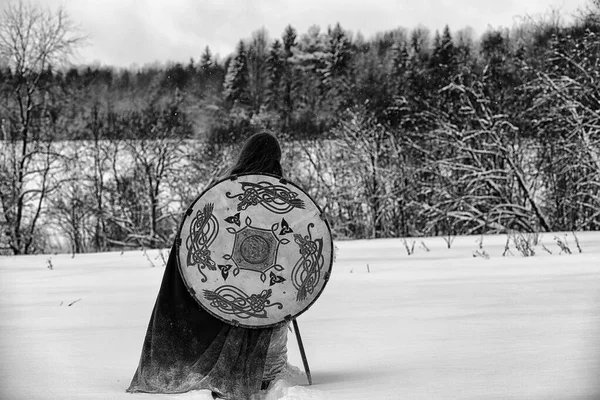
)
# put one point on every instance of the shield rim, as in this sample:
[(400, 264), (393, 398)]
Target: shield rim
[(236, 323)]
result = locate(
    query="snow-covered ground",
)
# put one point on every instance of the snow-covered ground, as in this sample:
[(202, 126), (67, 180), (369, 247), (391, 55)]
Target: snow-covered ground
[(438, 324)]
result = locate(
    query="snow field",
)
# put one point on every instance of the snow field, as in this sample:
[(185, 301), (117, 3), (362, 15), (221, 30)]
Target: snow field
[(438, 324)]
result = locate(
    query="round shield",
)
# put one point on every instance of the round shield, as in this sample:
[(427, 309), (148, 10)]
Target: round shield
[(255, 250)]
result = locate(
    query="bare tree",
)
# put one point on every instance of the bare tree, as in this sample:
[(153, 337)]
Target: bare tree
[(141, 207), (100, 165), (257, 56), (484, 175), (369, 152), (71, 206), (33, 40), (566, 89)]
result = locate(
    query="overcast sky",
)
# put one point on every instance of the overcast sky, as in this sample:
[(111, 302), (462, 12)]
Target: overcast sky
[(136, 32)]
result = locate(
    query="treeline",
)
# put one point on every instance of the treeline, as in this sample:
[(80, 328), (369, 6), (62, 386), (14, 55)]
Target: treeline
[(407, 133)]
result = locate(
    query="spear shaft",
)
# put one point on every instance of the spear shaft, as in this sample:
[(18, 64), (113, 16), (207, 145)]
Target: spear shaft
[(302, 353)]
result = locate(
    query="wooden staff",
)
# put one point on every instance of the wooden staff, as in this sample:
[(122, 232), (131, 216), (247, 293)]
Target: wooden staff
[(302, 353)]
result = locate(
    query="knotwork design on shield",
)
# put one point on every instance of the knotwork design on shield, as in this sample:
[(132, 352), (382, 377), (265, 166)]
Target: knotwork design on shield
[(234, 301), (204, 229), (255, 249), (274, 197), (307, 270)]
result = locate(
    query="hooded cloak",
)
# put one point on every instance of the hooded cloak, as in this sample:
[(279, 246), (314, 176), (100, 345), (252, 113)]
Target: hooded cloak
[(186, 348)]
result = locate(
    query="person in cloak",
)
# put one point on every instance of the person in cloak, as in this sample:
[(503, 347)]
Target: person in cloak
[(186, 348)]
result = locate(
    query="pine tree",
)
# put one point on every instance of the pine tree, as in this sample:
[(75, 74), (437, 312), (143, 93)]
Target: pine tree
[(191, 68), (289, 42), (448, 50), (464, 56), (206, 62), (500, 69), (257, 54), (339, 53), (339, 57), (419, 41), (442, 64), (399, 66), (437, 44), (235, 87), (418, 78), (275, 68)]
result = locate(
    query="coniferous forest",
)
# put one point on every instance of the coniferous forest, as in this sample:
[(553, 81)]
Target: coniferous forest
[(410, 132)]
